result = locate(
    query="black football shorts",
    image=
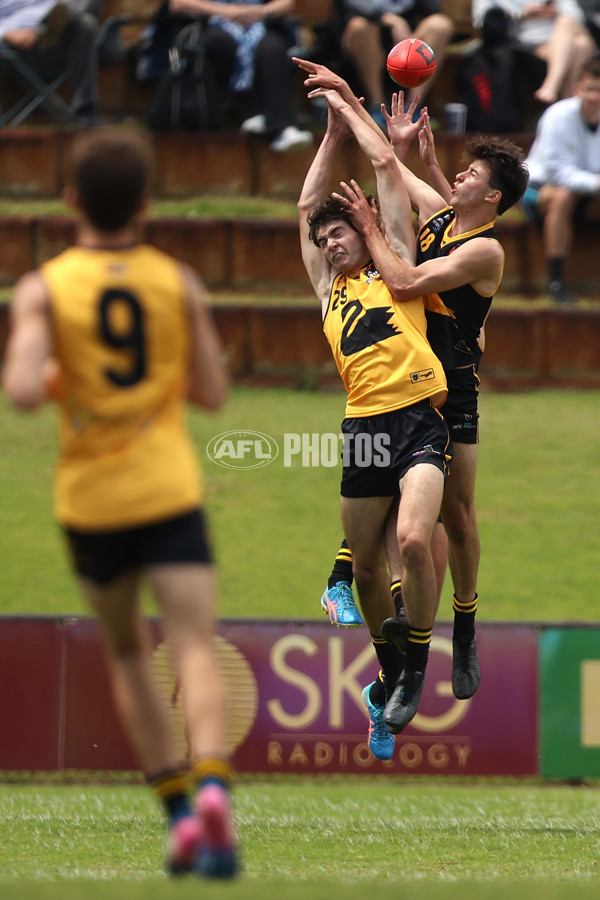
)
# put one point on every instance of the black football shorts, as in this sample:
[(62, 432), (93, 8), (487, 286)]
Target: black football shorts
[(378, 450), (460, 409), (102, 556)]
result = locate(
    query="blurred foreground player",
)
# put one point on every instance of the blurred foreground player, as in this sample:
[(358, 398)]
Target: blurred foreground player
[(118, 333)]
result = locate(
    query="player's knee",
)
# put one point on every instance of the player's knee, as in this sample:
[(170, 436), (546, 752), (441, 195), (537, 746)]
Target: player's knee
[(582, 47), (563, 200), (461, 524), (415, 550), (357, 28), (439, 29), (365, 575)]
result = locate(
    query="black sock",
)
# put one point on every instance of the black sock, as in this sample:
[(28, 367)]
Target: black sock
[(417, 649), (172, 790), (342, 569), (396, 589), (390, 659), (555, 268), (464, 617), (377, 693)]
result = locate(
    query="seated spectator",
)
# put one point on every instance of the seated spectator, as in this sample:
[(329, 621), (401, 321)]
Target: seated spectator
[(246, 45), (93, 8), (490, 80), (370, 28), (564, 173), (591, 12), (54, 37), (554, 33)]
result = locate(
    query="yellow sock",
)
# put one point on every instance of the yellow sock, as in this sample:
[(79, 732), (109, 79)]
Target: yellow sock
[(212, 768)]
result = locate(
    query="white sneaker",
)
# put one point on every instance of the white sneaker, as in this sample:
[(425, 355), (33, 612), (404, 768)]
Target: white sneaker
[(291, 138), (254, 125)]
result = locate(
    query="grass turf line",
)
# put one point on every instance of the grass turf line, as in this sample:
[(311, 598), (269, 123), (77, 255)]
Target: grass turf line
[(276, 530), (307, 834)]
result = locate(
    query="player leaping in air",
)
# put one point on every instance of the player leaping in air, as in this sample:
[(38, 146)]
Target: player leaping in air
[(458, 268), (395, 384)]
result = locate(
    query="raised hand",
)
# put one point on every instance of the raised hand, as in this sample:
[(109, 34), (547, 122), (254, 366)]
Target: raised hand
[(426, 142), (321, 77), (363, 212), (336, 124), (400, 126), (427, 152)]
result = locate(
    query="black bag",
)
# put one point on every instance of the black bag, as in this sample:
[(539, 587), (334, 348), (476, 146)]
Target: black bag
[(488, 83), (184, 100)]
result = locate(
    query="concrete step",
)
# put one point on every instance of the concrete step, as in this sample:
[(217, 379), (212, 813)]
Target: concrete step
[(526, 348), (253, 255), (241, 254), (34, 161)]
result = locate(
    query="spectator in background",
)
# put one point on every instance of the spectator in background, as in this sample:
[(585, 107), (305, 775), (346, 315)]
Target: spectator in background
[(370, 28), (246, 45), (553, 32), (93, 8), (564, 173), (591, 12), (53, 37)]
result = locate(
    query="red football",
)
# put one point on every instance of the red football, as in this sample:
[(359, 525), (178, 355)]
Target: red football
[(411, 62)]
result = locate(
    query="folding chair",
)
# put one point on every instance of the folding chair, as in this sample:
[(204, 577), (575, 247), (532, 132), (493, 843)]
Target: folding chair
[(37, 92)]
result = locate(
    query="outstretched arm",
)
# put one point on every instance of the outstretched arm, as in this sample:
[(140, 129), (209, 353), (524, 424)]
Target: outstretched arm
[(401, 129), (314, 191), (394, 202), (321, 77), (439, 182), (425, 198), (478, 262), (364, 217)]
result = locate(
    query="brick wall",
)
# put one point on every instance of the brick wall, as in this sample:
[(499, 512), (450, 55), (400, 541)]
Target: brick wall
[(525, 348)]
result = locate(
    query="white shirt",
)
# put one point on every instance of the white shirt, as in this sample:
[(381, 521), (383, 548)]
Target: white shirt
[(16, 14), (565, 151), (529, 32)]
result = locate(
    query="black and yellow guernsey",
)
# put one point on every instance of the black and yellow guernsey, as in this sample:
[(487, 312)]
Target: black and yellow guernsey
[(455, 317), (379, 346)]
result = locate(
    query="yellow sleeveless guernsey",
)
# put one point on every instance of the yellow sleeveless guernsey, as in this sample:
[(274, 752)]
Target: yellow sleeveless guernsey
[(379, 346), (121, 338)]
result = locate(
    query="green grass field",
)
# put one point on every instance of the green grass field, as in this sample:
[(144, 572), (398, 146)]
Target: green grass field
[(302, 839), (276, 530)]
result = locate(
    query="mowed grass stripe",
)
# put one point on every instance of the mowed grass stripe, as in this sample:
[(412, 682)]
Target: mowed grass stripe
[(341, 830), (277, 529)]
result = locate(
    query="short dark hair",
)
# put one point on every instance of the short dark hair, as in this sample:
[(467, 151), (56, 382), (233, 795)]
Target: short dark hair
[(328, 211), (591, 67), (111, 170), (504, 160)]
